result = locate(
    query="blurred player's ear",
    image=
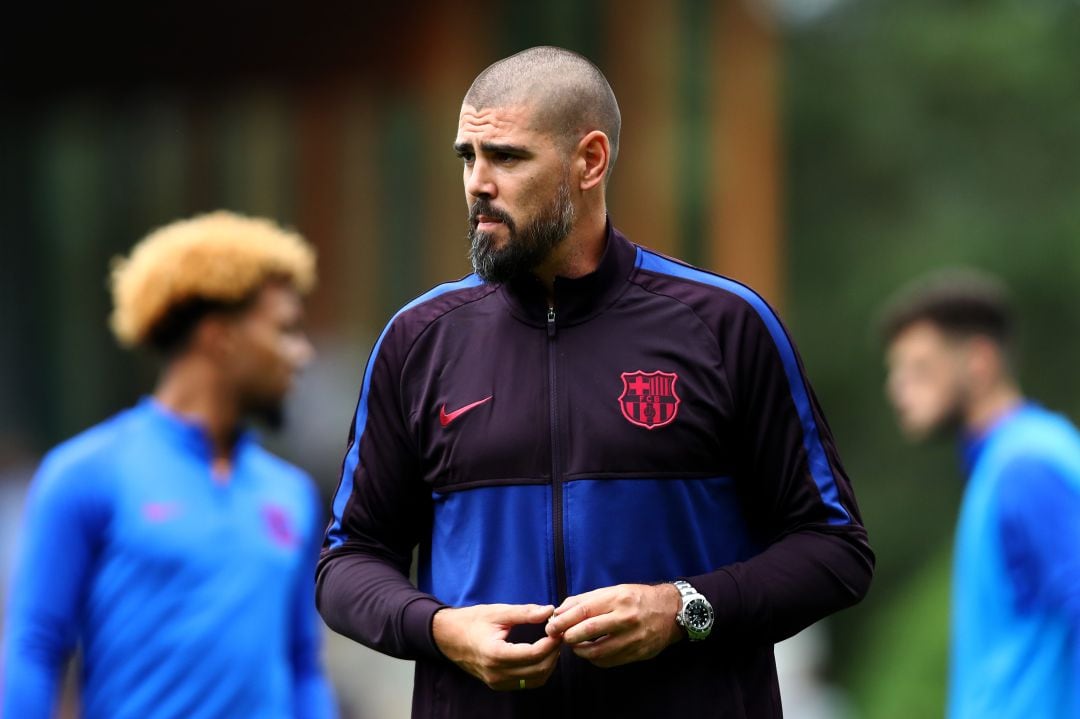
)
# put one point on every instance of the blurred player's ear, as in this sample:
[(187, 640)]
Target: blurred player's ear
[(214, 335), (986, 361)]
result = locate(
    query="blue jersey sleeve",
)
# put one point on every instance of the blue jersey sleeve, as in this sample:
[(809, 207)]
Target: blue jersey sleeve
[(65, 517), (1039, 526), (312, 695)]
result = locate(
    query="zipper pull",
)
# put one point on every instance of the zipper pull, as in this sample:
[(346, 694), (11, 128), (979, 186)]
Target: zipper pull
[(551, 321)]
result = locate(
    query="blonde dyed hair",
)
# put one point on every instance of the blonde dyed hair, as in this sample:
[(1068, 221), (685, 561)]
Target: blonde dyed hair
[(217, 257)]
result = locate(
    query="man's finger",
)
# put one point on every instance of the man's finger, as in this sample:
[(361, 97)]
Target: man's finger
[(509, 678), (609, 651), (520, 613), (571, 602), (578, 613), (593, 628), (570, 616), (604, 646), (568, 603), (518, 655), (536, 673)]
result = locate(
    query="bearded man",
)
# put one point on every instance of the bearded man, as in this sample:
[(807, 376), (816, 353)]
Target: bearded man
[(621, 486)]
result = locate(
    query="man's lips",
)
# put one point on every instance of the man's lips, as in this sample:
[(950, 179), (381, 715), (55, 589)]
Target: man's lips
[(487, 222)]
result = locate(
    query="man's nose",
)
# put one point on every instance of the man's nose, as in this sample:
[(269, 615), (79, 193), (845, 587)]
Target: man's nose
[(304, 353), (479, 181)]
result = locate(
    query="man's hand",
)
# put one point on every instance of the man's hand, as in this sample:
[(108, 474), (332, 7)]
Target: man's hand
[(474, 638), (618, 625)]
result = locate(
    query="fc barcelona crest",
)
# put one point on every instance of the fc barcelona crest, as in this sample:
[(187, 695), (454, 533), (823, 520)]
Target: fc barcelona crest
[(648, 399)]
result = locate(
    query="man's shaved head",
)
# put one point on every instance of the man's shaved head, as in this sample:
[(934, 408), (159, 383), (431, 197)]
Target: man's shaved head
[(569, 95)]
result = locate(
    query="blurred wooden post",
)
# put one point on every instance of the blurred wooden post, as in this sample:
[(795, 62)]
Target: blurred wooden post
[(318, 191), (641, 62), (447, 66), (745, 224)]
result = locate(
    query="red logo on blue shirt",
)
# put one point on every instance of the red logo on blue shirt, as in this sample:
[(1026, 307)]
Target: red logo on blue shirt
[(648, 399), (279, 526)]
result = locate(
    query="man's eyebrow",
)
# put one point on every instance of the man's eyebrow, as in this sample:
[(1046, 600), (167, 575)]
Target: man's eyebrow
[(492, 148)]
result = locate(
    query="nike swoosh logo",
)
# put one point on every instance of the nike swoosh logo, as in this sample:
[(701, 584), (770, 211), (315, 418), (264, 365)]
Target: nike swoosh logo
[(446, 418)]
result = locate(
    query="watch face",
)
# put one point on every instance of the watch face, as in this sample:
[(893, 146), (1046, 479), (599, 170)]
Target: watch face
[(699, 615)]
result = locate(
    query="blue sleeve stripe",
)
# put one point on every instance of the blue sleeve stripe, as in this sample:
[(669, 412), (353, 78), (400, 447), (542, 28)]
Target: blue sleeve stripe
[(815, 452), (352, 457)]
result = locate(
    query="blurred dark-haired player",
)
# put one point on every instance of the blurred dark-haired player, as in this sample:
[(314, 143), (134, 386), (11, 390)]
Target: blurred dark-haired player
[(1016, 576)]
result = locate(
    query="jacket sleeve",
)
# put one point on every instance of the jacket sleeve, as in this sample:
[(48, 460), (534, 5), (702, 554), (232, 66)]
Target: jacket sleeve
[(312, 694), (815, 558), (65, 517), (1038, 509), (380, 512)]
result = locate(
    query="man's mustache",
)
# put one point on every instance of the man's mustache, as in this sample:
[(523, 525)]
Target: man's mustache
[(485, 208)]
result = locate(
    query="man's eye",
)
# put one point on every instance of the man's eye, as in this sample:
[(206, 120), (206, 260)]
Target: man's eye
[(466, 157), (503, 158)]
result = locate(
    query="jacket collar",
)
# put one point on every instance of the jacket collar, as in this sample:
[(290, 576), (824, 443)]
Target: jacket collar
[(973, 444), (579, 299), (186, 432)]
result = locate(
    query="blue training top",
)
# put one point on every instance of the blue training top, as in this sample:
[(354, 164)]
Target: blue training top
[(189, 597), (1016, 580)]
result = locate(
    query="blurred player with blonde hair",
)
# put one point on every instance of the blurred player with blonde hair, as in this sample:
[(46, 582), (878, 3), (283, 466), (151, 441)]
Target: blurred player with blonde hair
[(165, 543)]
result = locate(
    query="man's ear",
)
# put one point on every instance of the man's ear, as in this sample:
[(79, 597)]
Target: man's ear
[(593, 158), (985, 359), (213, 335)]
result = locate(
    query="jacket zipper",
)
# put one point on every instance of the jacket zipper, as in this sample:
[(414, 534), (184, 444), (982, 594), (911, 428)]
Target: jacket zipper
[(556, 477), (568, 710)]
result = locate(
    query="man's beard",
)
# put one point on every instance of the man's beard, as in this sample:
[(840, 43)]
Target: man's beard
[(525, 249), (270, 413), (952, 421)]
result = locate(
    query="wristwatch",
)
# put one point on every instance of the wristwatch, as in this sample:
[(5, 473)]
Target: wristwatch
[(696, 615)]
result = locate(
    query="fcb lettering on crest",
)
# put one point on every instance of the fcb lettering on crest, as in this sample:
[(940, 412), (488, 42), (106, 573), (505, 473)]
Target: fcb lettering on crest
[(648, 399)]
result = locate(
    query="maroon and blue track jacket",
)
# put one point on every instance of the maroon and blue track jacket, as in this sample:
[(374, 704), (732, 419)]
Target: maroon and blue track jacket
[(654, 424)]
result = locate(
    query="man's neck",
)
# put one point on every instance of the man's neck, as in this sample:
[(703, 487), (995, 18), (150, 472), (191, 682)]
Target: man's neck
[(578, 255), (191, 388), (982, 413)]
